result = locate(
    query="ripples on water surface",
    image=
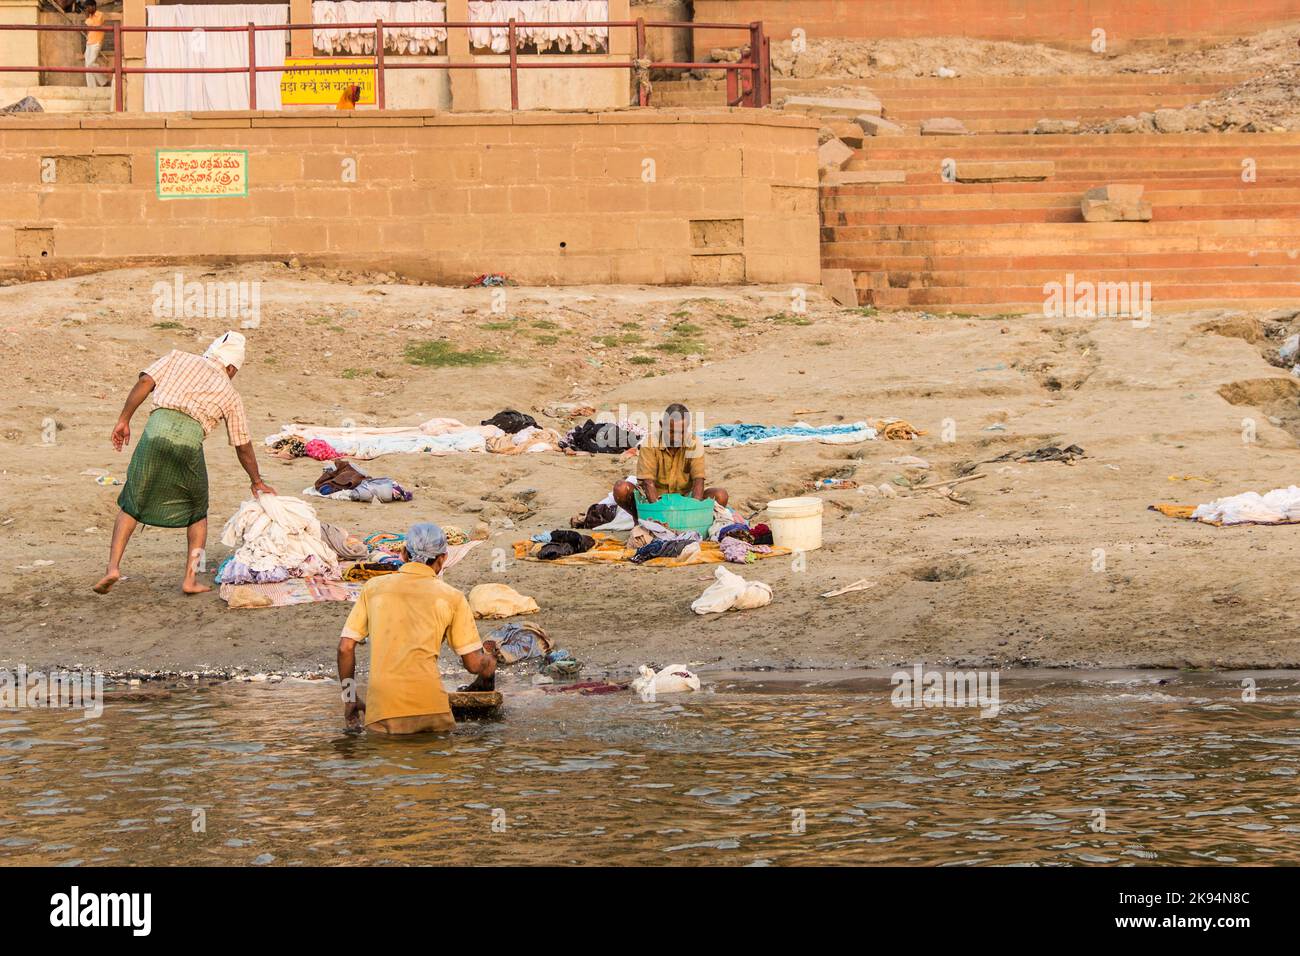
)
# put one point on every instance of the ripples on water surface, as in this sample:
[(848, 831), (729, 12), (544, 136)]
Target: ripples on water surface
[(1185, 774)]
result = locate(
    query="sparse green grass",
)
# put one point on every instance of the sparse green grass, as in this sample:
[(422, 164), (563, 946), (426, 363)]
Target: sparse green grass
[(545, 324), (643, 360), (631, 338), (350, 373), (866, 311), (609, 341), (736, 321), (439, 354), (783, 318), (336, 328), (629, 325), (686, 328), (682, 347), (682, 314), (506, 325), (168, 326), (547, 339)]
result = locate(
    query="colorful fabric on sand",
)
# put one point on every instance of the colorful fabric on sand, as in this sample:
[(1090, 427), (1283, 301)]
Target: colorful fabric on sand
[(518, 642), (739, 551), (275, 531), (167, 480), (729, 436), (437, 436), (321, 450), (610, 550)]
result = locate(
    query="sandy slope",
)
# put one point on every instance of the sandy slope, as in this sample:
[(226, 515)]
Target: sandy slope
[(1005, 577)]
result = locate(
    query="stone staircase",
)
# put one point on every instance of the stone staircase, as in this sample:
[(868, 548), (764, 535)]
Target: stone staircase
[(62, 99), (997, 104), (932, 244)]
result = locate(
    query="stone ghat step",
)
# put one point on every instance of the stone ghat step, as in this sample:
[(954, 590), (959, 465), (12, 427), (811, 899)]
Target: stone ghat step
[(1276, 250), (919, 187), (1003, 265), (1259, 228), (962, 84), (955, 198), (929, 169), (1023, 277), (61, 99), (1010, 143), (1281, 293), (961, 217)]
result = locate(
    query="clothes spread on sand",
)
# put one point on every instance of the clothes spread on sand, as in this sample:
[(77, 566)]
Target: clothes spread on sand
[(347, 546), (530, 439), (517, 642), (275, 532), (611, 550), (563, 542), (739, 551), (499, 600), (601, 438), (423, 40), (729, 591), (683, 546), (1279, 506), (617, 520), (321, 450), (537, 33), (511, 421), (729, 436), (1068, 454), (344, 481), (437, 436)]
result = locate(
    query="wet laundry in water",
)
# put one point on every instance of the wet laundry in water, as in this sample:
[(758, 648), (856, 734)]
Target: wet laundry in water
[(515, 642)]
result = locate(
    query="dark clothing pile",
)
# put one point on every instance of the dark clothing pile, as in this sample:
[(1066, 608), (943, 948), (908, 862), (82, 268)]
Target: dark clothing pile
[(596, 516), (564, 543), (511, 421), (604, 438)]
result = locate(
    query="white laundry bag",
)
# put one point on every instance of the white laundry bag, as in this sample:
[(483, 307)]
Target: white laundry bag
[(730, 591)]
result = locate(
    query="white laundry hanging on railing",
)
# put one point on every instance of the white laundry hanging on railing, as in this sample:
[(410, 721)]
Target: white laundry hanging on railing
[(428, 41), (177, 92), (545, 39)]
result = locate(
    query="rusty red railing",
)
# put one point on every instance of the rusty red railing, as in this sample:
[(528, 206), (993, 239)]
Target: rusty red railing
[(748, 81)]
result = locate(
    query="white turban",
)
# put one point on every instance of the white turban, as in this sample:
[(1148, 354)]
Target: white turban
[(228, 349)]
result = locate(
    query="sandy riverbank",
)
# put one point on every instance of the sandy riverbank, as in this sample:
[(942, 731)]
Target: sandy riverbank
[(1004, 576)]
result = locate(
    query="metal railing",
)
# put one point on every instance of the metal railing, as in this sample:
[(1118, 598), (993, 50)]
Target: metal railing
[(748, 81)]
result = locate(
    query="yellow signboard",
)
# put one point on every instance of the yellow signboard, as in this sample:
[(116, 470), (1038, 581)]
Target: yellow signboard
[(201, 173), (324, 87)]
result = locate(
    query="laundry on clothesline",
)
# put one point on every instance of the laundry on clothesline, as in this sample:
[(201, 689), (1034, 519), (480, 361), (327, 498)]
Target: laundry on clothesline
[(353, 41), (729, 436), (537, 33), (1279, 506)]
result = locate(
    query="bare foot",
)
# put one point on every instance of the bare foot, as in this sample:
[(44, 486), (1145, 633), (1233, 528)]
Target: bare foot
[(193, 587), (107, 582)]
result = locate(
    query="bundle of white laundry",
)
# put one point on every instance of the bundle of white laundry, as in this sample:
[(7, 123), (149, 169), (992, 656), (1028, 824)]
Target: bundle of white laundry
[(546, 39), (1277, 507), (729, 591), (422, 40), (278, 532)]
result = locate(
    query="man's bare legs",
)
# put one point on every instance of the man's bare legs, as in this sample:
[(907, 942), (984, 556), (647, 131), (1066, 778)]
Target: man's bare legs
[(123, 528), (196, 539)]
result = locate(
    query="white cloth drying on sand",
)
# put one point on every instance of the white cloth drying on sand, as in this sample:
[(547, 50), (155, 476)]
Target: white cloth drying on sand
[(437, 436), (729, 591), (276, 531), (1277, 507), (353, 41)]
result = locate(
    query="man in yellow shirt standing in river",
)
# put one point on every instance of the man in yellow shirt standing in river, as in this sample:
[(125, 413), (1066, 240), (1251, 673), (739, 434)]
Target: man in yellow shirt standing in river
[(407, 615)]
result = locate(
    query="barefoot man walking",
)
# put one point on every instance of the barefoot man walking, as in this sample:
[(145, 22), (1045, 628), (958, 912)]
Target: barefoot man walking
[(167, 480)]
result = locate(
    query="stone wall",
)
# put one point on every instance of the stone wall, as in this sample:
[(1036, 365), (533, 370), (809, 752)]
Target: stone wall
[(627, 196), (1060, 22)]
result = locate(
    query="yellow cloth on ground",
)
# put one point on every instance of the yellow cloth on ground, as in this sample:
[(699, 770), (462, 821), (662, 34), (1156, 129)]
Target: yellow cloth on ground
[(406, 616), (609, 550), (499, 600)]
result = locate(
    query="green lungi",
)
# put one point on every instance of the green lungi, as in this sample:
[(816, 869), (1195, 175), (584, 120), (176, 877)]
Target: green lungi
[(167, 480)]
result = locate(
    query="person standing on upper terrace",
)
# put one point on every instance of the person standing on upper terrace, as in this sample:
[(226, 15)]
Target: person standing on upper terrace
[(167, 480), (94, 40)]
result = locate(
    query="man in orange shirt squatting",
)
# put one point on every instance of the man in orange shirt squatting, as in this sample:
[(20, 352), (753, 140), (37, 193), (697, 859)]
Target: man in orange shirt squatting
[(407, 615)]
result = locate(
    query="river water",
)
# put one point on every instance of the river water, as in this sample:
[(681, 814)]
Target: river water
[(756, 770)]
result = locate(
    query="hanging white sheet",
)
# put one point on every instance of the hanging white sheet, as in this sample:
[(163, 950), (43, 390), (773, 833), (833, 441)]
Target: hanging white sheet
[(546, 39), (175, 92), (402, 40)]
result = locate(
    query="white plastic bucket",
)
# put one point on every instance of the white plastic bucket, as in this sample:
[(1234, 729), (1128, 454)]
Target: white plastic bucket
[(796, 523)]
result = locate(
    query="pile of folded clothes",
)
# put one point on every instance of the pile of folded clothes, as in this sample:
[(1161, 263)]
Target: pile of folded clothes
[(277, 538), (344, 481)]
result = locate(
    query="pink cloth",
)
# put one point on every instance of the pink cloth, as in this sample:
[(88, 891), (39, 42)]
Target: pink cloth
[(320, 449)]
